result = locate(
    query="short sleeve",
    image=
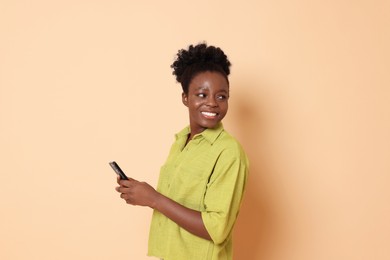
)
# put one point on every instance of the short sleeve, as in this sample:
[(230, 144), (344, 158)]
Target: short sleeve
[(224, 194)]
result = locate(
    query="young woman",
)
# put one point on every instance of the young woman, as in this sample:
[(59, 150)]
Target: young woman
[(201, 185)]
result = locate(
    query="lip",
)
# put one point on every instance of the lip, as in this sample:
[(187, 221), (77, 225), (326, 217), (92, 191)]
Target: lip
[(209, 114)]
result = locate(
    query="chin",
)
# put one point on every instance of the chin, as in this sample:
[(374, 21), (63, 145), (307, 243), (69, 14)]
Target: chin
[(211, 126)]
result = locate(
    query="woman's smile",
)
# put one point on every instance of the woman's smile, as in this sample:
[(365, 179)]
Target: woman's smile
[(210, 115)]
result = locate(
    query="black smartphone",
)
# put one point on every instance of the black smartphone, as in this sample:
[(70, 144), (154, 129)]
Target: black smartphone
[(118, 170)]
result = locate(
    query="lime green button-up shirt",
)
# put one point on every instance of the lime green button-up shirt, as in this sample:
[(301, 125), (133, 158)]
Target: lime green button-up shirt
[(208, 175)]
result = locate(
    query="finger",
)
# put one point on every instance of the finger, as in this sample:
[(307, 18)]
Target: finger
[(126, 183), (119, 180), (126, 197), (124, 190)]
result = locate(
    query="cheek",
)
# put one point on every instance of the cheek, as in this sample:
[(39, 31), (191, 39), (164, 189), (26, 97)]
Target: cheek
[(225, 106), (196, 104), (193, 107)]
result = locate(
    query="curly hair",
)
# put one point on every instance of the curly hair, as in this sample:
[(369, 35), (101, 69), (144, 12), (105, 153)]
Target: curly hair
[(197, 59)]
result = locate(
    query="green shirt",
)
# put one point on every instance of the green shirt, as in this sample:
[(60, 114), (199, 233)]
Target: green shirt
[(208, 175)]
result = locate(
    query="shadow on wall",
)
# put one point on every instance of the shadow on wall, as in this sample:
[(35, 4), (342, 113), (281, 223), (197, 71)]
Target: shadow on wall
[(257, 227)]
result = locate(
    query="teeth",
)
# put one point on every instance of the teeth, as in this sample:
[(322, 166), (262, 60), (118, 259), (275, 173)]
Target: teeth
[(209, 114)]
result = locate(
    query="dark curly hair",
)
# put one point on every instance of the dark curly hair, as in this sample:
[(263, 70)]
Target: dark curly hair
[(196, 59)]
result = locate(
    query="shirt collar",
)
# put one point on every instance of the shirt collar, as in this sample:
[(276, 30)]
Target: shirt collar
[(210, 134)]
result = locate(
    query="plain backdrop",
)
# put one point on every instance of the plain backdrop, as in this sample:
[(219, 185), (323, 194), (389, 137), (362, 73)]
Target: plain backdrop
[(86, 82)]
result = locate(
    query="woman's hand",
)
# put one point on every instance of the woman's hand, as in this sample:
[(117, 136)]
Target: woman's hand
[(137, 193)]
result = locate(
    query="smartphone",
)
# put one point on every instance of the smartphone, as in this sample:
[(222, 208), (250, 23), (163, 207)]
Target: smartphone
[(118, 170)]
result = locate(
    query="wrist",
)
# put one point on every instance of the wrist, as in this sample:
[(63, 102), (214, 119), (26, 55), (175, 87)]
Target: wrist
[(156, 200)]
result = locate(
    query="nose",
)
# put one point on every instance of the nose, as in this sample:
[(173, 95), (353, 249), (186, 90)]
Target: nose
[(211, 102)]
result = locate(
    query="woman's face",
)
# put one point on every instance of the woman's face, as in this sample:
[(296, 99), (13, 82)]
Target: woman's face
[(207, 100)]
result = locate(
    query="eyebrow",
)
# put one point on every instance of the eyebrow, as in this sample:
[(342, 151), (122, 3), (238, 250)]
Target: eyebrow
[(206, 88)]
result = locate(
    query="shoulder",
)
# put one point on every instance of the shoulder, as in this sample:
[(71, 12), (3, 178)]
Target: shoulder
[(227, 141), (229, 146)]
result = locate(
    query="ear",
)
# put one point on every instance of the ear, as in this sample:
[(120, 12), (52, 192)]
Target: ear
[(184, 99)]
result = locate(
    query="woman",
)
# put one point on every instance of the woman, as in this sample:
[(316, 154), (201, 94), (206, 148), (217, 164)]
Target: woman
[(201, 185)]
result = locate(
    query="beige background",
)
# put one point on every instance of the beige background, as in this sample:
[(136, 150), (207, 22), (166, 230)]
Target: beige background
[(85, 82)]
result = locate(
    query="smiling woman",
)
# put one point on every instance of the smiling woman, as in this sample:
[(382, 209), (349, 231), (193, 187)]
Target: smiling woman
[(207, 101), (201, 184)]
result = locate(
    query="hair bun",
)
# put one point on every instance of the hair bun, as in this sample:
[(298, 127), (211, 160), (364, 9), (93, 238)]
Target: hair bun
[(207, 57)]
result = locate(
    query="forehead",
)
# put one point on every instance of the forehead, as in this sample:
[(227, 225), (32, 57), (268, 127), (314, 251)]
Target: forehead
[(209, 80)]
